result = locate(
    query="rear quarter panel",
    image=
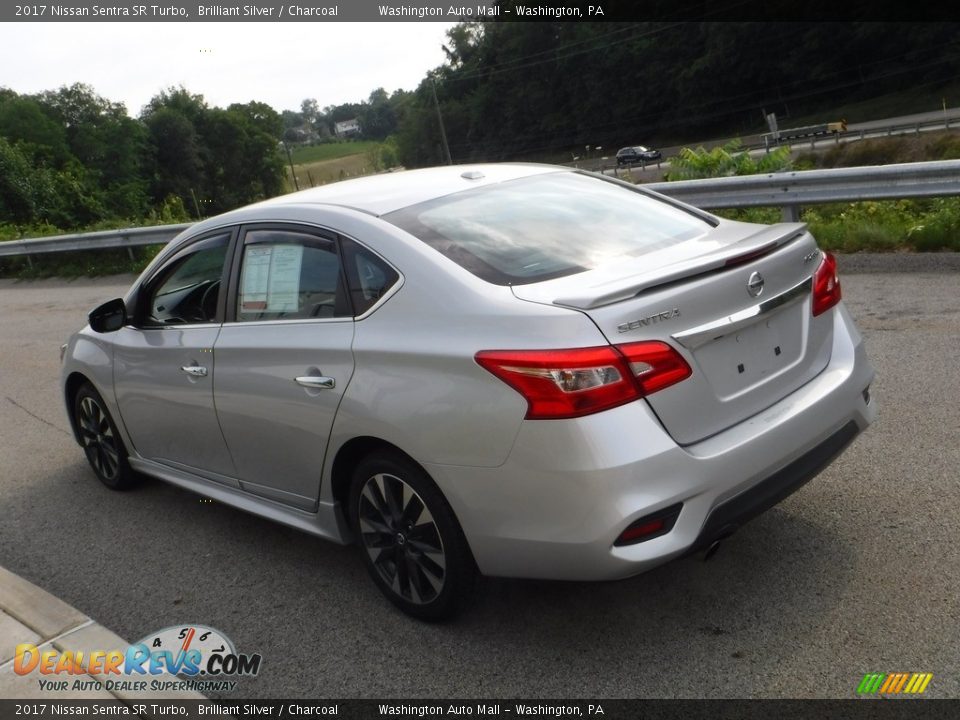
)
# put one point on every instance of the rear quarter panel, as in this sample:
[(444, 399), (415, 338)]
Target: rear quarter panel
[(416, 383)]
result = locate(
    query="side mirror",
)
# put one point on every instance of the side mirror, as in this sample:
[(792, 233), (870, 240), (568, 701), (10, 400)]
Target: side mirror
[(110, 316)]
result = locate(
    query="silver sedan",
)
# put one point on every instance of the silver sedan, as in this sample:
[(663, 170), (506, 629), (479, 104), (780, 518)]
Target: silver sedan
[(512, 370)]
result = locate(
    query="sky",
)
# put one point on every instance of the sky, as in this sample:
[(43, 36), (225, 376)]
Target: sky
[(276, 63)]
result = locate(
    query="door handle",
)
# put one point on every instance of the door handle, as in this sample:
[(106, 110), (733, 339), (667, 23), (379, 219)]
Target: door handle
[(195, 370), (318, 382)]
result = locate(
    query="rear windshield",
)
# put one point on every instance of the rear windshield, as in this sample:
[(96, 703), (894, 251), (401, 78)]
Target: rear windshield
[(546, 226)]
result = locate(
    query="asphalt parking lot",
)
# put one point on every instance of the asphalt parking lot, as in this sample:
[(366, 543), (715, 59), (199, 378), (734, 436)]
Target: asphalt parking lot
[(858, 572)]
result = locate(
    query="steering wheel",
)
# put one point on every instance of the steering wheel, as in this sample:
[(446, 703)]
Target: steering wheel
[(210, 297)]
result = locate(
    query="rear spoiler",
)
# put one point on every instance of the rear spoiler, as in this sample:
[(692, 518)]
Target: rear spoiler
[(627, 285)]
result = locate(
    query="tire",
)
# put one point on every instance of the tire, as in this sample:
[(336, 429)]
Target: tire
[(100, 440), (410, 540)]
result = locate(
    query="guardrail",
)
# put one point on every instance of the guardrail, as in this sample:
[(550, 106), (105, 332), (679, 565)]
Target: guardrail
[(793, 189), (788, 190), (102, 240)]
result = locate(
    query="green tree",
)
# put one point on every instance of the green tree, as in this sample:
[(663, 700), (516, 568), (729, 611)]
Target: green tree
[(23, 120), (222, 157), (178, 156), (24, 191), (377, 116), (245, 161), (109, 147)]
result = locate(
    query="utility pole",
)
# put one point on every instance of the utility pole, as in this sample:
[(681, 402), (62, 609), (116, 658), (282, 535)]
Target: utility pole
[(293, 173), (443, 132)]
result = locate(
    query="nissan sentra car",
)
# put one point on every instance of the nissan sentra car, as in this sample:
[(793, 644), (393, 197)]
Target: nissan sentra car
[(513, 370)]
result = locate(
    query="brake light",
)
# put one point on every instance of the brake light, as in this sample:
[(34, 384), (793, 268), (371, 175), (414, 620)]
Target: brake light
[(826, 285), (750, 256), (581, 381)]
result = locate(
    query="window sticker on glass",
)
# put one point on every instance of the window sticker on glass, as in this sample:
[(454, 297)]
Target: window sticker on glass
[(256, 279), (271, 279), (284, 294)]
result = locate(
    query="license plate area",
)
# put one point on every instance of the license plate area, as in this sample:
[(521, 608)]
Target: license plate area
[(754, 354)]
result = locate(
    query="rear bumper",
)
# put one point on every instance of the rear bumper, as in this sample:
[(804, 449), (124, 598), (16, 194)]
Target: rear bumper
[(569, 487), (730, 515)]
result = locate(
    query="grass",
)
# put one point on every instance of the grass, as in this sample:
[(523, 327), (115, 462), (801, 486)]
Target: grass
[(307, 154), (331, 162), (323, 172)]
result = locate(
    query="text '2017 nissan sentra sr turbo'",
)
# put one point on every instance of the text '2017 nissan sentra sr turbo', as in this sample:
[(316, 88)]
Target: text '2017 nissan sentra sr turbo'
[(516, 370)]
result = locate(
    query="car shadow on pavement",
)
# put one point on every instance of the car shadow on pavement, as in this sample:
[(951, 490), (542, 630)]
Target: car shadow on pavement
[(769, 590), (159, 555)]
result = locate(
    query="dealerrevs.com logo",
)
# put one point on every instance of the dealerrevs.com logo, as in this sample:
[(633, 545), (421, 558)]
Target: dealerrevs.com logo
[(183, 657)]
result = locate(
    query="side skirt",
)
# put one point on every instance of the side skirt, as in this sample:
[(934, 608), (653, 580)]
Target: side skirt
[(328, 522)]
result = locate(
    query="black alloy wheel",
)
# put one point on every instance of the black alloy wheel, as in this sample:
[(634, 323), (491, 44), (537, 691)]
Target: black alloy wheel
[(412, 545), (100, 440)]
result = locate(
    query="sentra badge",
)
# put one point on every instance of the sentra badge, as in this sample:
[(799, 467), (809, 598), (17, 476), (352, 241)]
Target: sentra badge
[(650, 320)]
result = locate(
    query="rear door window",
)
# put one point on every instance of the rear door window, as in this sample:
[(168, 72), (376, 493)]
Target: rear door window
[(370, 277), (289, 275)]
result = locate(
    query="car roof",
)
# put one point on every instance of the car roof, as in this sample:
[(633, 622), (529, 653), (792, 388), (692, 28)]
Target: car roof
[(382, 194)]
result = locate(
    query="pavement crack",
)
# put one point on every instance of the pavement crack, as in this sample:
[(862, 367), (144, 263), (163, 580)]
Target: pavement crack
[(36, 417)]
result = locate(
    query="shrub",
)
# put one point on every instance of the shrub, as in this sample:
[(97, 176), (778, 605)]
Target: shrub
[(729, 159)]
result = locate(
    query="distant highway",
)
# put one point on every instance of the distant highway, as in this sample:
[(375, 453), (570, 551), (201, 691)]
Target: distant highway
[(950, 114), (869, 129)]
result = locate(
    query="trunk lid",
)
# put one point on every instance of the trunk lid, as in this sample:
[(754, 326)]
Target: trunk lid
[(747, 349)]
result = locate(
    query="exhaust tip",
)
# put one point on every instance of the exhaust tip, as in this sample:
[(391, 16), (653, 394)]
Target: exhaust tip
[(714, 545), (712, 550)]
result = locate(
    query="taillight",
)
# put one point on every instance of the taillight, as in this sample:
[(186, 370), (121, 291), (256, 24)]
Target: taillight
[(654, 365), (571, 383), (826, 285)]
